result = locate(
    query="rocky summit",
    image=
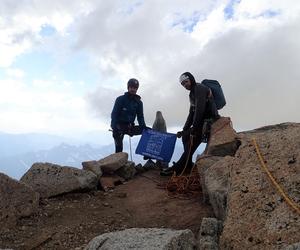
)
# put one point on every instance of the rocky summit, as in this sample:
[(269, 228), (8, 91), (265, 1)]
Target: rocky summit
[(249, 199)]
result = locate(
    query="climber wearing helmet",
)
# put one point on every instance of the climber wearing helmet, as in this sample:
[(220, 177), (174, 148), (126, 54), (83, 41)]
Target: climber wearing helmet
[(126, 109)]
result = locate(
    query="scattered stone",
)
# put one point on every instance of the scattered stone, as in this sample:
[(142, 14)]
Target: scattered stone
[(292, 160), (113, 162), (93, 166), (121, 195), (108, 183), (127, 171)]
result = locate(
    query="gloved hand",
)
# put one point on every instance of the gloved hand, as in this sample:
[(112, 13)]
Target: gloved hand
[(144, 128), (179, 134), (130, 130), (192, 131)]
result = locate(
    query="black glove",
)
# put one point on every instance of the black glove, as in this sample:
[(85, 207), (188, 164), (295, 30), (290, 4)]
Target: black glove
[(179, 134), (192, 131), (130, 130), (144, 128)]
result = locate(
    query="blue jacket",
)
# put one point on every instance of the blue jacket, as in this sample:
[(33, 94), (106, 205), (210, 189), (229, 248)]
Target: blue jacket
[(127, 107)]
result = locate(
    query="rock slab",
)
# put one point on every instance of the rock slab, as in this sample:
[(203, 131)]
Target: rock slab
[(223, 138), (144, 238), (17, 200), (257, 216), (51, 180), (113, 162)]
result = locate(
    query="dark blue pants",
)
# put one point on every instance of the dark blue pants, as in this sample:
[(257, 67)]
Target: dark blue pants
[(118, 134), (187, 155)]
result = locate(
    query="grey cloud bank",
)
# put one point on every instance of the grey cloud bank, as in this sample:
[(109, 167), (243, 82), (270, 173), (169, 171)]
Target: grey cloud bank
[(251, 47), (253, 55)]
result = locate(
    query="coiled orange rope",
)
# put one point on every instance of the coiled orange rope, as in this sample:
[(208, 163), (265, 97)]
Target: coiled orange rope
[(188, 186), (289, 201), (185, 185)]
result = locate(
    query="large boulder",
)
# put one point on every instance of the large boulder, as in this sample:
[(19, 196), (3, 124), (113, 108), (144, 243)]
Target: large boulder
[(127, 171), (144, 238), (17, 200), (203, 163), (257, 215), (209, 233), (216, 183), (223, 138), (107, 165), (50, 179), (93, 166)]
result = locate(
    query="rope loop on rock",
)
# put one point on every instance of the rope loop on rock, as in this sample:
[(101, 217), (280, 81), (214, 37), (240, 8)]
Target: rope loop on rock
[(289, 201)]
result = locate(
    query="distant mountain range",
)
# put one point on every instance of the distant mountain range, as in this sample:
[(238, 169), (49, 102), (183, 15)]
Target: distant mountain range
[(19, 152)]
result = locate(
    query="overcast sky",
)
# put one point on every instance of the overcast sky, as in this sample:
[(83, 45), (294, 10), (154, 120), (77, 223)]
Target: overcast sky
[(63, 63)]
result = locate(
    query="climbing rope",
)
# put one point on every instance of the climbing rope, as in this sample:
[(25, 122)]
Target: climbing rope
[(289, 201), (189, 185), (185, 185)]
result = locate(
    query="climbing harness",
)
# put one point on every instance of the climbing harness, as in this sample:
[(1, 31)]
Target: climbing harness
[(288, 200)]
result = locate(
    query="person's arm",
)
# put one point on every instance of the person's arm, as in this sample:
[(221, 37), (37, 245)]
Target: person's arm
[(115, 113), (189, 120), (201, 94)]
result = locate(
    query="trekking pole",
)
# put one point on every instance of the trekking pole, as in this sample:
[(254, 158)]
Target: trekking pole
[(130, 147)]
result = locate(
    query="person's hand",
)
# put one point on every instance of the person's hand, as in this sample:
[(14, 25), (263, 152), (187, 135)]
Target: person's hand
[(145, 128), (192, 131), (129, 130), (179, 134)]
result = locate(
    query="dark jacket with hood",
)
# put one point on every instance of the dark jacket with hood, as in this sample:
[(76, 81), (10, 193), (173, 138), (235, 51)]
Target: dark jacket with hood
[(200, 105), (127, 107)]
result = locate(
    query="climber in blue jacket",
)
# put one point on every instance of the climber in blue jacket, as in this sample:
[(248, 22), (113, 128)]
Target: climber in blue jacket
[(126, 109)]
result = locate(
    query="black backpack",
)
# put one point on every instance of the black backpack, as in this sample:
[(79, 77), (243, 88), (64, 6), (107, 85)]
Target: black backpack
[(217, 92)]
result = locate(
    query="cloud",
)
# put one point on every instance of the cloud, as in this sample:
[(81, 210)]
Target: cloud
[(15, 73), (251, 47), (45, 106), (252, 53), (21, 23)]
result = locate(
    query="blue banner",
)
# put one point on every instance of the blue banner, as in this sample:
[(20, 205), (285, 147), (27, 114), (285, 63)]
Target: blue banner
[(156, 145)]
